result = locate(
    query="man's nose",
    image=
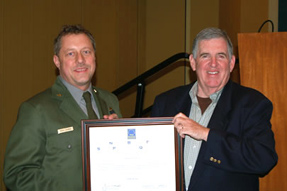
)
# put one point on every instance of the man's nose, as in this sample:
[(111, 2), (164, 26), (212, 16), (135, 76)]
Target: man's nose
[(80, 58), (213, 62)]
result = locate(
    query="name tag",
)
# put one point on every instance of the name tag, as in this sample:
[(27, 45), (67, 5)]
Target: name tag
[(65, 130)]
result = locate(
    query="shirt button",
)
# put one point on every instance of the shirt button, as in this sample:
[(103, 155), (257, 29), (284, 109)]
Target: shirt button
[(69, 146), (189, 167)]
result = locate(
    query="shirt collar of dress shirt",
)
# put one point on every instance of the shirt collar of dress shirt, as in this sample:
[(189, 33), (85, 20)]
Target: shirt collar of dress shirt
[(193, 91), (75, 92)]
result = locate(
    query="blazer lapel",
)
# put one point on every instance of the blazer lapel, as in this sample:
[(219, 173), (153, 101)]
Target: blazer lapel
[(218, 120), (184, 104), (221, 113), (72, 109), (101, 104), (67, 103)]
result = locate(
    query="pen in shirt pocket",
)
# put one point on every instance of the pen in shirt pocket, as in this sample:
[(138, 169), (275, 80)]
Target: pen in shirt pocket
[(111, 111)]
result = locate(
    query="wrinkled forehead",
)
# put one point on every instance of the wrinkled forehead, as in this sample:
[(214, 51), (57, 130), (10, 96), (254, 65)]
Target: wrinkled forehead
[(75, 40), (211, 45)]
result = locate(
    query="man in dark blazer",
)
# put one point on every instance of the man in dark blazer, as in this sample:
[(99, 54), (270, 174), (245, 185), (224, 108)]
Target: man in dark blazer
[(44, 149), (226, 129)]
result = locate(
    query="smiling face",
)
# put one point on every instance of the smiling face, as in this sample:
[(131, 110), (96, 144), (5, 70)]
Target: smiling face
[(212, 65), (76, 60)]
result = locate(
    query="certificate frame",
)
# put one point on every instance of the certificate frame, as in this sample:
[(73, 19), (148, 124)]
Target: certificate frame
[(94, 129)]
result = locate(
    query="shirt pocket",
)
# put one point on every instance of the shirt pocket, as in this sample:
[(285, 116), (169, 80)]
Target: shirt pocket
[(64, 141)]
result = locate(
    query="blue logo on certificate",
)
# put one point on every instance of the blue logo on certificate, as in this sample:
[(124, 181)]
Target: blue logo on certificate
[(131, 133)]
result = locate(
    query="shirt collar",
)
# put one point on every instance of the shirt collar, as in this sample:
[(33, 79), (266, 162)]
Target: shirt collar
[(193, 91), (76, 92)]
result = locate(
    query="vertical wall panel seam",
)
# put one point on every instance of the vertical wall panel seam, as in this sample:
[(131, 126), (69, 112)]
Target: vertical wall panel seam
[(2, 89)]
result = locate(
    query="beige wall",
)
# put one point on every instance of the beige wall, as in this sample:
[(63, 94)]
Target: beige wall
[(273, 14), (198, 17), (27, 31), (2, 129), (164, 37), (131, 35), (241, 16)]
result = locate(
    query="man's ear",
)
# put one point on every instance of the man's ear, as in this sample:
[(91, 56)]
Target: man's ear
[(56, 61), (192, 62), (232, 63)]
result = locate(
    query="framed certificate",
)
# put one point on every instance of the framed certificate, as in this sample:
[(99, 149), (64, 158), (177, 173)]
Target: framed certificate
[(142, 154)]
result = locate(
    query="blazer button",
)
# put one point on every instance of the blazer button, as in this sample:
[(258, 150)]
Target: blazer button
[(211, 158), (69, 146)]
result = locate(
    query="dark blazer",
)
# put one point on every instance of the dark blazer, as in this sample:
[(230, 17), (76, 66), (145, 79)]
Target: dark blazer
[(240, 146), (38, 157)]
